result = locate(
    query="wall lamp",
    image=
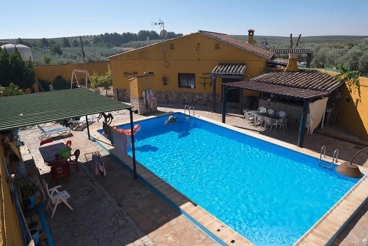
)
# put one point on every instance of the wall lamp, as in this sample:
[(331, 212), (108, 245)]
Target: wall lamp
[(350, 170), (164, 80)]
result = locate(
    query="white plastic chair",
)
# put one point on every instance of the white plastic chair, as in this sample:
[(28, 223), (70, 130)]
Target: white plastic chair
[(56, 197), (248, 116), (262, 110), (269, 122), (281, 123), (281, 114), (270, 112)]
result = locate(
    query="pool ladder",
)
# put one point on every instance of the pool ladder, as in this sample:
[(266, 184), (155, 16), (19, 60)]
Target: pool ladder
[(334, 157), (187, 107)]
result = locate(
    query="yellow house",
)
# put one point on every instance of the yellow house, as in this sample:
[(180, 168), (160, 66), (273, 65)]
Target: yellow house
[(185, 69)]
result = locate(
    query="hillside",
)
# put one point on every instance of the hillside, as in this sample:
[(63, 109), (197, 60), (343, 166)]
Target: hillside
[(327, 51)]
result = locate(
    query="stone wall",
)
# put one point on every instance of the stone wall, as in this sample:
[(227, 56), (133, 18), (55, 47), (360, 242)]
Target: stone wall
[(138, 103), (293, 113), (184, 98)]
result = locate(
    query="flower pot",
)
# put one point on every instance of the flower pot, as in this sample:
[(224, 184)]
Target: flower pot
[(32, 200), (35, 236)]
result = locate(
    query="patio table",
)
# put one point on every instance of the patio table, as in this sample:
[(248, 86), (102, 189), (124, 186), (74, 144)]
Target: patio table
[(49, 150), (273, 118)]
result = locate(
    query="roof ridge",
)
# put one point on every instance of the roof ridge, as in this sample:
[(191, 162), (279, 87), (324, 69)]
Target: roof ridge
[(251, 48)]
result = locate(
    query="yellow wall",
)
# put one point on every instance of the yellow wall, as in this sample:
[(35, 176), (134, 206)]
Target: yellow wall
[(353, 118), (194, 53), (49, 72), (10, 228), (353, 115)]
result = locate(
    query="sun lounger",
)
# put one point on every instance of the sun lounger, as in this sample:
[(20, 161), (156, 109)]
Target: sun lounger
[(47, 133), (81, 123)]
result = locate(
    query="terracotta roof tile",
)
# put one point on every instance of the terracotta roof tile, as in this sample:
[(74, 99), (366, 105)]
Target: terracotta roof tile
[(277, 89), (305, 84), (303, 79), (240, 44)]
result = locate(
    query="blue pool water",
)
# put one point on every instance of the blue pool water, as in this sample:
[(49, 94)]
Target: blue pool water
[(268, 194)]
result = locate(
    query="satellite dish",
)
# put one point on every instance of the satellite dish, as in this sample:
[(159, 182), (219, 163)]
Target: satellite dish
[(163, 34)]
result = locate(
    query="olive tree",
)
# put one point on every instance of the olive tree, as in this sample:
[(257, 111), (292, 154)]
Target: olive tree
[(104, 81)]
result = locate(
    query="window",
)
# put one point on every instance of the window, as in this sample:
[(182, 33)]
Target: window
[(186, 80)]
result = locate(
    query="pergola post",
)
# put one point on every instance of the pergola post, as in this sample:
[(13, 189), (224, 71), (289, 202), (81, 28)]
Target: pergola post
[(89, 135), (240, 111), (302, 123), (133, 146), (213, 94), (224, 92)]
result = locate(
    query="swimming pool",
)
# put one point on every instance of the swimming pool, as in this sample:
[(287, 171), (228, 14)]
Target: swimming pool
[(268, 194)]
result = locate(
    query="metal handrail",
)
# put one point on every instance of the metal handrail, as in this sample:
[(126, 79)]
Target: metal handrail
[(192, 109), (323, 148), (335, 155), (186, 107)]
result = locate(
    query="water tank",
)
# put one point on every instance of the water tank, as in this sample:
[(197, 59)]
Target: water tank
[(24, 51)]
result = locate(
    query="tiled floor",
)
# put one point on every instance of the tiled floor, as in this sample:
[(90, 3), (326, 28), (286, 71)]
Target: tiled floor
[(119, 210)]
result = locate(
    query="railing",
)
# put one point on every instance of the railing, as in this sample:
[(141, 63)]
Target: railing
[(192, 109), (187, 107), (334, 157)]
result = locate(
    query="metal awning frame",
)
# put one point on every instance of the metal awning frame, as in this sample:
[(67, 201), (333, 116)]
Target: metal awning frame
[(31, 109)]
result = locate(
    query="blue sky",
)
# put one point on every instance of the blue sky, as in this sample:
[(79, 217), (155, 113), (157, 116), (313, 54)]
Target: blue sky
[(51, 19)]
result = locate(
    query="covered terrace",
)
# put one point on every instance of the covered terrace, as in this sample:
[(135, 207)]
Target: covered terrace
[(305, 85), (32, 109)]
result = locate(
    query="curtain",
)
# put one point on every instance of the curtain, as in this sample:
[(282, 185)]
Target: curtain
[(316, 110)]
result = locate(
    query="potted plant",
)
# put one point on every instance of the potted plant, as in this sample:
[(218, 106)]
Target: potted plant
[(28, 191)]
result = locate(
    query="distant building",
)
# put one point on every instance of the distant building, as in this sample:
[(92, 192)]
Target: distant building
[(24, 51)]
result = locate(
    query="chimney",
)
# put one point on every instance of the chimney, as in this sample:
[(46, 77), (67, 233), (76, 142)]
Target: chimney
[(250, 36), (292, 65)]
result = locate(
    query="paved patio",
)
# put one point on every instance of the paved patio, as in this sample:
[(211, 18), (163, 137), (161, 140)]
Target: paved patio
[(118, 210)]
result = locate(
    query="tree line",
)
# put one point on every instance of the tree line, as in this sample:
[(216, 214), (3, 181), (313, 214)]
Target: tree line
[(327, 51), (107, 39)]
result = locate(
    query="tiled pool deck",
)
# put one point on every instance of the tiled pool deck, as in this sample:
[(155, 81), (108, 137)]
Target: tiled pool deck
[(144, 218)]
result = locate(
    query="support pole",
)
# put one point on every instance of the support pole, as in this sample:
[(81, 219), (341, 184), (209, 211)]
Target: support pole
[(240, 111), (302, 124), (133, 146), (89, 135), (224, 92), (213, 94)]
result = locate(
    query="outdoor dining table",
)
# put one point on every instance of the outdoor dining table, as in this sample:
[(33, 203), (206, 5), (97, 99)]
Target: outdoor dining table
[(265, 115), (50, 150)]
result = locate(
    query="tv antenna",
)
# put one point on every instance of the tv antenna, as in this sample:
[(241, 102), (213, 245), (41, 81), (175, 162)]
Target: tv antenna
[(163, 32)]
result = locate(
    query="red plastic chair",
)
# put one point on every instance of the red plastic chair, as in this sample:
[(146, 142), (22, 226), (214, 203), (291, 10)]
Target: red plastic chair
[(73, 159), (69, 143), (45, 141), (59, 171)]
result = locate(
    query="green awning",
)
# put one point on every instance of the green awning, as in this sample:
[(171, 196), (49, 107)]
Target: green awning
[(32, 109)]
